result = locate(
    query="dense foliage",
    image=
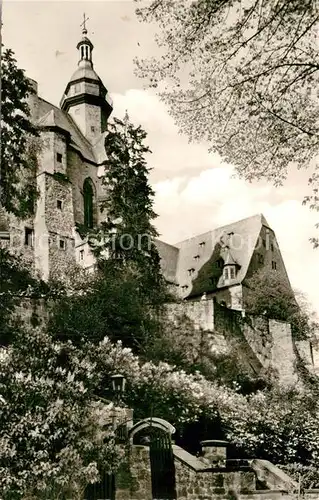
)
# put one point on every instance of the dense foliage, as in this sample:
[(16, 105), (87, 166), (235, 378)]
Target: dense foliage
[(127, 236), (270, 295), (19, 142), (52, 440), (16, 283), (123, 299), (277, 424), (108, 304), (181, 344), (243, 76)]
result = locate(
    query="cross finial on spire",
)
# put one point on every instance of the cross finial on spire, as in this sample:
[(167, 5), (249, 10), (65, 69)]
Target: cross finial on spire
[(84, 30)]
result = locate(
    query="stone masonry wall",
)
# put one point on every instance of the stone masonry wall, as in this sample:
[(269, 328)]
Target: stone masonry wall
[(200, 312), (133, 480), (194, 480), (282, 352), (194, 485), (60, 225), (264, 345), (256, 332)]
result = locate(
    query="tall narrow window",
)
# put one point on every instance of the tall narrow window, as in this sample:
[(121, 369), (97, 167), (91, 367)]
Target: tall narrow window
[(28, 237), (88, 203)]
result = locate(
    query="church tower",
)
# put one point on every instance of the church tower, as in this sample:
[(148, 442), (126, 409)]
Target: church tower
[(85, 97)]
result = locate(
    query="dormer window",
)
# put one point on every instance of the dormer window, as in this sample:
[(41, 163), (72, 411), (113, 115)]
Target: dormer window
[(184, 287), (202, 244), (196, 257), (229, 273), (191, 271)]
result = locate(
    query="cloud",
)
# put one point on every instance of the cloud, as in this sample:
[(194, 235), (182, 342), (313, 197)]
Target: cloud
[(171, 152)]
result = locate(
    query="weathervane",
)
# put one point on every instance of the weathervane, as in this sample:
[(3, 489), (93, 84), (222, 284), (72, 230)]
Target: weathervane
[(84, 30)]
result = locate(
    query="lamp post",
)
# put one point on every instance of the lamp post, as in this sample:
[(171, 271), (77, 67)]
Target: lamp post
[(118, 386)]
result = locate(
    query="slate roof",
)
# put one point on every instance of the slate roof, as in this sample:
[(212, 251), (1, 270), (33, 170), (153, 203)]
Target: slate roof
[(49, 115), (169, 258), (192, 258)]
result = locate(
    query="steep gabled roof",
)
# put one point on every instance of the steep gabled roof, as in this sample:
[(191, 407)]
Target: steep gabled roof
[(169, 258), (52, 119), (229, 259), (195, 257), (51, 116)]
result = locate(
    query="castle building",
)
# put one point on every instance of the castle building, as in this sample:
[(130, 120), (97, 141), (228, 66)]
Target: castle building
[(70, 164), (219, 263)]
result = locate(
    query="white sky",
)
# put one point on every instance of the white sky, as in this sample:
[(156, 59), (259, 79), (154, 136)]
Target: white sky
[(195, 190)]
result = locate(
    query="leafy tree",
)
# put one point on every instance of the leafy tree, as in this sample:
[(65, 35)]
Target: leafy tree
[(127, 236), (278, 425), (16, 283), (51, 430), (19, 143), (268, 294), (242, 76), (108, 304), (124, 297)]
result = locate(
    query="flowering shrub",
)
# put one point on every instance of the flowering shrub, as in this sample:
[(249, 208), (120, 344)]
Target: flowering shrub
[(279, 425), (276, 424), (54, 435), (162, 390), (51, 438)]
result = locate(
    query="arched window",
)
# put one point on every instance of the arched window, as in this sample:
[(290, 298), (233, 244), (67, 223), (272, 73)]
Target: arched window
[(88, 196)]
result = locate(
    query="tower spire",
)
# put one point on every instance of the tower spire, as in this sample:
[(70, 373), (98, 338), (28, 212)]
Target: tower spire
[(85, 45), (84, 30), (85, 97)]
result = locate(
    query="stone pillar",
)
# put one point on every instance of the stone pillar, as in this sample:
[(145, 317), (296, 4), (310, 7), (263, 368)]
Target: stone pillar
[(134, 478), (215, 452)]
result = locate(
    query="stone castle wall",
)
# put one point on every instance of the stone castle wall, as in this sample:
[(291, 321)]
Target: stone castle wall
[(264, 346), (197, 480)]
